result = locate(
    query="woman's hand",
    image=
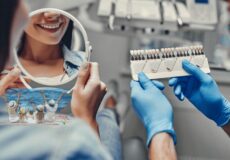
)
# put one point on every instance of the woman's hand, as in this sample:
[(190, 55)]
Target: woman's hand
[(88, 94), (10, 80)]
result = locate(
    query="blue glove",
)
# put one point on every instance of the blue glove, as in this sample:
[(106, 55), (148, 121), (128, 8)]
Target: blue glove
[(202, 91), (152, 107)]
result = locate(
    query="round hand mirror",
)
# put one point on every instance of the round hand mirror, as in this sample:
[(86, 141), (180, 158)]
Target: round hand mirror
[(52, 49)]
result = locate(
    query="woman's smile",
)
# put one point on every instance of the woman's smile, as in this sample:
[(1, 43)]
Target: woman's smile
[(51, 27), (47, 27)]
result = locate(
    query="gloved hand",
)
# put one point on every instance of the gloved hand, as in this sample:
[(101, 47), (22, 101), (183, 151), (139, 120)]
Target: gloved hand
[(202, 91), (152, 107)]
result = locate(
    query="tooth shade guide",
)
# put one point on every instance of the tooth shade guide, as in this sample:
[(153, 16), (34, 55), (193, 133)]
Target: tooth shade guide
[(167, 62)]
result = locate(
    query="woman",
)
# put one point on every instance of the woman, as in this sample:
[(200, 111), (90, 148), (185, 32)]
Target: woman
[(72, 141), (46, 45)]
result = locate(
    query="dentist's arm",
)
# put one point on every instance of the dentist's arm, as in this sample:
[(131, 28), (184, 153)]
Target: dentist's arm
[(202, 91), (156, 113), (227, 129), (162, 148)]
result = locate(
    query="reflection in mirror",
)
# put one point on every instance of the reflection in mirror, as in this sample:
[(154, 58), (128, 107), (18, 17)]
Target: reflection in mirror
[(52, 48), (50, 53)]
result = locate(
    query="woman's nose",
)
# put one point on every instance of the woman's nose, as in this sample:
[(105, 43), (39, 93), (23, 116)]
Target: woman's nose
[(51, 16)]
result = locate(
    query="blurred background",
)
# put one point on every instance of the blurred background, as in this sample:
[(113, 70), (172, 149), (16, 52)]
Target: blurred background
[(115, 27)]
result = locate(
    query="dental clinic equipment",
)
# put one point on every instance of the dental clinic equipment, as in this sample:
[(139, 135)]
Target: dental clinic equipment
[(203, 11), (170, 15), (167, 62), (222, 49), (60, 4)]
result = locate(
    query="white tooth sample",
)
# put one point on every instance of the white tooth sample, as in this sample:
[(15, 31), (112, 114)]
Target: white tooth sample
[(131, 52), (162, 51), (152, 51)]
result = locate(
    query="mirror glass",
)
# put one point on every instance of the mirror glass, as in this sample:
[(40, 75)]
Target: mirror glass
[(52, 48)]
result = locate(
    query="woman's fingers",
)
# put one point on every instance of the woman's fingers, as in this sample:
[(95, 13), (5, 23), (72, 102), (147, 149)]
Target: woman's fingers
[(83, 75), (94, 72), (16, 85), (94, 83), (9, 68), (103, 87), (11, 77), (27, 79)]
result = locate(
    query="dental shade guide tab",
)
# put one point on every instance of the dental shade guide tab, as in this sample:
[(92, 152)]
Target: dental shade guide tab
[(166, 62)]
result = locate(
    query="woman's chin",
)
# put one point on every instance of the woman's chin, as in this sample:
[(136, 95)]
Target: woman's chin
[(50, 41)]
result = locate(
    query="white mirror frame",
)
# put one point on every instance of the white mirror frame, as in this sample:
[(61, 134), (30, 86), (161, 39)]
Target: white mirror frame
[(88, 48)]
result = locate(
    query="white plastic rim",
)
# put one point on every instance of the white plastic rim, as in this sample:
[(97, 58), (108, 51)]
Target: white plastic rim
[(87, 48)]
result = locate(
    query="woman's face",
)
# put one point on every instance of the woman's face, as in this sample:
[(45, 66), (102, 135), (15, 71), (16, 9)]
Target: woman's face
[(47, 28)]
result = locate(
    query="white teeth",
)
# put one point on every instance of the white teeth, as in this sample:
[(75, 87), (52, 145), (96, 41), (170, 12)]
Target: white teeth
[(50, 26)]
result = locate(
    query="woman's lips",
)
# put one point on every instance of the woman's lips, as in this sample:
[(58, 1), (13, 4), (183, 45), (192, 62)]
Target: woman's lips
[(50, 27)]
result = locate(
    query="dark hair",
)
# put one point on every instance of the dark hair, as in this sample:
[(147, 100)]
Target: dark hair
[(7, 12), (66, 39)]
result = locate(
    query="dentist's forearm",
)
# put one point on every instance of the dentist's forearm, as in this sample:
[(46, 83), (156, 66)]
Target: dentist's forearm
[(226, 128), (162, 148)]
